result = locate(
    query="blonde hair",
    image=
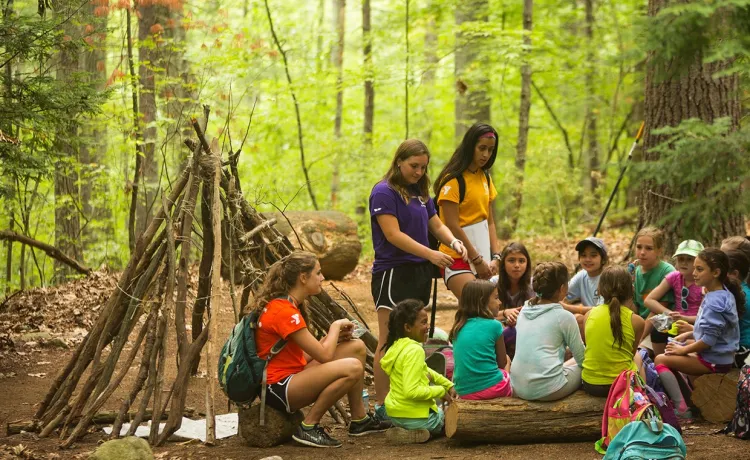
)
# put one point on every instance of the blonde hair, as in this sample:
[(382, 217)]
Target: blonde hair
[(283, 275), (474, 303), (547, 279), (654, 233), (409, 148)]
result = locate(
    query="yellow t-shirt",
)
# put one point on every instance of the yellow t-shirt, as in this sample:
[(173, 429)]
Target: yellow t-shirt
[(476, 205), (603, 361)]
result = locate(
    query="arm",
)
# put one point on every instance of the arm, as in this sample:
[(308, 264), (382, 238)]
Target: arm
[(445, 236), (450, 212), (389, 224), (583, 331), (324, 350), (500, 353), (639, 324), (494, 243), (695, 347), (652, 300), (572, 336), (413, 363)]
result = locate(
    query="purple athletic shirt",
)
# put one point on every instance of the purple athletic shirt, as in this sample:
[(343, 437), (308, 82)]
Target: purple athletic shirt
[(412, 220)]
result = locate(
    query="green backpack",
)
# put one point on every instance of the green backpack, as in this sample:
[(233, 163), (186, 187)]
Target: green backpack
[(242, 373)]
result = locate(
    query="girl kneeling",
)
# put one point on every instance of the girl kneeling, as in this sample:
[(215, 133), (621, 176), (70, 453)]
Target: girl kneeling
[(482, 365), (306, 370), (612, 332), (414, 387), (544, 330)]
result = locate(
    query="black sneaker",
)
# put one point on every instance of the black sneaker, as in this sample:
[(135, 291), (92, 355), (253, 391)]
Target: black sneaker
[(316, 436), (371, 424)]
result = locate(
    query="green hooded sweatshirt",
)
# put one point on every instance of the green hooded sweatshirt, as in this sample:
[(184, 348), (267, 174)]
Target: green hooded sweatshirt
[(411, 394)]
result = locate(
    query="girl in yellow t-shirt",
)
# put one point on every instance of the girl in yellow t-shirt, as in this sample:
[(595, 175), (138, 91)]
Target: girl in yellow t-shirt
[(464, 193), (612, 333)]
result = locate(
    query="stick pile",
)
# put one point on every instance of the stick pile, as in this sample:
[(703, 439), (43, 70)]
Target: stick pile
[(150, 301)]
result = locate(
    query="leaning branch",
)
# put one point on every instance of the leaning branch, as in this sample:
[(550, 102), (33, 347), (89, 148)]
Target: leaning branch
[(571, 162), (51, 251), (296, 107)]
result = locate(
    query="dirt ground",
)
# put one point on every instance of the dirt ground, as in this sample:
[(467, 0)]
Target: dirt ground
[(27, 371)]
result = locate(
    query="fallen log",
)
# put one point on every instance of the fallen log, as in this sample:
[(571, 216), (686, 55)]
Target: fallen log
[(330, 235), (515, 421), (715, 395), (102, 418)]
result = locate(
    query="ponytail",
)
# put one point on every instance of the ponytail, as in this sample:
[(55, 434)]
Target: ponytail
[(614, 321), (616, 288), (405, 313), (739, 296)]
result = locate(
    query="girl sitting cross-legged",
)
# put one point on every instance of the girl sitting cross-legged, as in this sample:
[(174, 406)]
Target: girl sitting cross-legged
[(481, 364), (410, 403), (544, 330)]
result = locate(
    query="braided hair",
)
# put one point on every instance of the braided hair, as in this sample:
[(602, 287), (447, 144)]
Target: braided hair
[(547, 279), (405, 313)]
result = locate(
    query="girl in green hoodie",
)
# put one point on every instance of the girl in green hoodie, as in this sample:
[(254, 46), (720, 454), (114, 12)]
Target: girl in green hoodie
[(414, 387)]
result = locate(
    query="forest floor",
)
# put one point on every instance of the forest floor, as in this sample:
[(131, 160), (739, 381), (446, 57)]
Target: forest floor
[(38, 329)]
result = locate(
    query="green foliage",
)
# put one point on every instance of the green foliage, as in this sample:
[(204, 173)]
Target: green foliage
[(696, 153)]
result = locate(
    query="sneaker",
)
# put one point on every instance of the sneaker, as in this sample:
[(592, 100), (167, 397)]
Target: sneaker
[(684, 417), (316, 436), (370, 424), (398, 435)]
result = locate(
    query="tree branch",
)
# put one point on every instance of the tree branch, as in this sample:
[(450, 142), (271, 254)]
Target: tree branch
[(51, 251), (566, 138)]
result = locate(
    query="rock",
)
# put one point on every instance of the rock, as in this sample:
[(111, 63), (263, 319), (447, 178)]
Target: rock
[(35, 337), (273, 457), (130, 448), (278, 429), (56, 342)]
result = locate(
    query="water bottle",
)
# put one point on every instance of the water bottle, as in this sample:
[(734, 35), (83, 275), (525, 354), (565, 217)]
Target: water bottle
[(366, 399)]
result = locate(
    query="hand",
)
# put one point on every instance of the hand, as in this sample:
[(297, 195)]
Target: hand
[(440, 260), (676, 316), (343, 325), (459, 247), (483, 269), (450, 396), (677, 350), (684, 327), (495, 267), (511, 316)]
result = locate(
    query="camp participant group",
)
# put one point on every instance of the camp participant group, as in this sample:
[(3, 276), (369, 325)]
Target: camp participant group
[(535, 332)]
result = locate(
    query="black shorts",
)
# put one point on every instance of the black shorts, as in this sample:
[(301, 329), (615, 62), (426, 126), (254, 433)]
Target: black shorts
[(276, 396), (659, 337), (410, 281), (601, 391)]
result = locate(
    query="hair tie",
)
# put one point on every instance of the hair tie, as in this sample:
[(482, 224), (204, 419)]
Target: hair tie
[(538, 294), (489, 134)]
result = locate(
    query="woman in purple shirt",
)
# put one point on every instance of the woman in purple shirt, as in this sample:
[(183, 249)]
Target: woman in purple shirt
[(401, 215)]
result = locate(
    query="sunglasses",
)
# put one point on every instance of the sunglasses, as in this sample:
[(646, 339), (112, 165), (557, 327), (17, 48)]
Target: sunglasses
[(685, 294)]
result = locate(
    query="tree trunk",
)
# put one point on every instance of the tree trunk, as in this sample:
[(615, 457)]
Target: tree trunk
[(515, 421), (668, 101), (431, 61), (338, 63), (331, 235), (369, 83), (7, 128), (472, 84), (523, 113), (716, 396), (592, 151), (67, 198), (149, 36)]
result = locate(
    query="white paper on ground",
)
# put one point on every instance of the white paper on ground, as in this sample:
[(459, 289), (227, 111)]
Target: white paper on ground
[(226, 426)]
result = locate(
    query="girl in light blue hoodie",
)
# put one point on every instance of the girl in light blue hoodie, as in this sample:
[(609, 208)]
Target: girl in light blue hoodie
[(544, 330)]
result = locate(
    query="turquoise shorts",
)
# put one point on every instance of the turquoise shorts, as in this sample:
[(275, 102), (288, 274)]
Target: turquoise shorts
[(434, 423)]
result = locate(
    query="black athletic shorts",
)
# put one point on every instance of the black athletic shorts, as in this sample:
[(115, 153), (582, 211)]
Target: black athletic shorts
[(276, 396), (410, 281), (658, 337)]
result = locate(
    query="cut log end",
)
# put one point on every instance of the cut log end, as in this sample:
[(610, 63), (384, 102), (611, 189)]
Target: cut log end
[(715, 395), (515, 421), (278, 429)]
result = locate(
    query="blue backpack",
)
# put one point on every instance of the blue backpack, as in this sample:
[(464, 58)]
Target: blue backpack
[(647, 439), (242, 373)]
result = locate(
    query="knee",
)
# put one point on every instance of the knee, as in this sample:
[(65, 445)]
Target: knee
[(353, 368), (661, 359), (358, 348)]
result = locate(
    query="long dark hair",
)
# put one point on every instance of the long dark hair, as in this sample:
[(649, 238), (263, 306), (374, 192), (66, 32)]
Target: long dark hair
[(739, 261), (475, 298), (715, 258), (740, 243), (503, 282), (408, 149), (616, 288), (548, 277), (404, 313), (464, 155)]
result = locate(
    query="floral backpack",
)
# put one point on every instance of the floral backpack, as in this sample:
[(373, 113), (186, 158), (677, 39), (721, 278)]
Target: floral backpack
[(628, 401), (738, 426)]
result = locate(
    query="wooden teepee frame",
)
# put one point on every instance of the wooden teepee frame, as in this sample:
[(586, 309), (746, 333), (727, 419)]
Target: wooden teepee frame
[(153, 289)]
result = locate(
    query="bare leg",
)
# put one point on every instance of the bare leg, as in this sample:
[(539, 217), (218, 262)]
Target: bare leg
[(456, 283), (507, 363), (581, 325), (687, 364), (659, 348), (323, 384), (382, 382)]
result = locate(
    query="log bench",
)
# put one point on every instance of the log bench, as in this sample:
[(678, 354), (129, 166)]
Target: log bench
[(516, 421), (278, 429), (715, 395)]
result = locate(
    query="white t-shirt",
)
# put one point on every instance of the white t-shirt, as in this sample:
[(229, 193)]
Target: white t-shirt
[(584, 287)]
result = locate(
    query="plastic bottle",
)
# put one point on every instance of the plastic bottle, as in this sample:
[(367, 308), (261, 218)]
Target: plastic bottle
[(366, 399)]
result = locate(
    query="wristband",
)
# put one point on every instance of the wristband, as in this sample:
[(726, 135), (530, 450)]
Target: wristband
[(453, 242), (496, 256), (475, 259)]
